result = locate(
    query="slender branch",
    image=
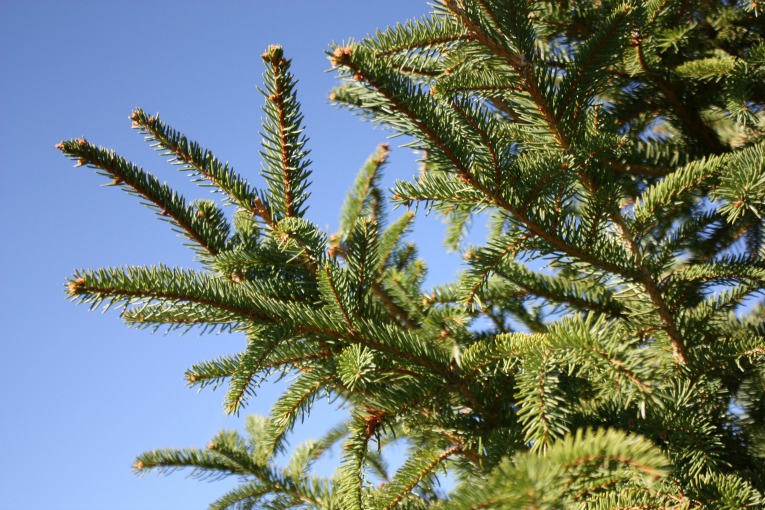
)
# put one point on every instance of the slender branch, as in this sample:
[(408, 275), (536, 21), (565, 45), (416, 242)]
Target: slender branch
[(428, 468), (690, 118), (395, 310), (81, 286), (420, 44), (503, 106), (679, 351), (599, 457), (485, 139), (642, 275), (524, 69), (278, 99), (512, 248), (338, 300), (558, 298), (624, 370), (464, 174), (142, 188)]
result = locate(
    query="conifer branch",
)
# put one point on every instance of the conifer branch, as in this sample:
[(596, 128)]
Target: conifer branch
[(558, 290), (278, 99), (434, 32), (229, 446), (399, 488), (644, 276), (690, 118), (162, 198), (543, 418), (212, 373), (398, 288), (520, 62), (247, 494), (643, 317), (377, 338), (250, 363), (285, 164), (592, 58), (511, 112), (127, 285), (396, 311), (362, 428), (489, 146), (177, 316), (342, 56), (337, 299), (531, 86), (389, 240), (638, 170), (358, 201), (204, 463), (496, 259), (201, 162), (297, 399)]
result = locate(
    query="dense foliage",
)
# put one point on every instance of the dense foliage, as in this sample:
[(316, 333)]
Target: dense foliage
[(603, 349)]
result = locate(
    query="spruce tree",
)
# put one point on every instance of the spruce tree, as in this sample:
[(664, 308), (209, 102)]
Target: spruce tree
[(602, 349)]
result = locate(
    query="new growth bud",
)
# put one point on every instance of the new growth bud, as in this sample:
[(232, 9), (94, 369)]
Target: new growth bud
[(340, 56), (75, 287), (274, 54), (382, 153)]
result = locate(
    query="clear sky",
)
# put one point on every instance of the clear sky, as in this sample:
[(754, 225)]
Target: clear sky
[(82, 394)]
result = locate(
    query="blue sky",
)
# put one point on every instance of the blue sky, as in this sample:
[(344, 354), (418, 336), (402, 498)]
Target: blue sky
[(81, 393)]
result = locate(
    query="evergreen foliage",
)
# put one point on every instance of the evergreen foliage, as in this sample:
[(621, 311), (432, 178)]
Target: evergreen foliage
[(605, 347)]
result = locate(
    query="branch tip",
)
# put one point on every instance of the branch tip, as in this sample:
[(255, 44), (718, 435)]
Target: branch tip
[(75, 287), (340, 55), (274, 54)]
